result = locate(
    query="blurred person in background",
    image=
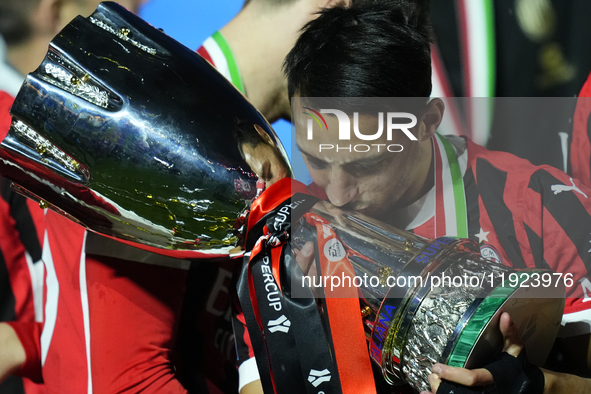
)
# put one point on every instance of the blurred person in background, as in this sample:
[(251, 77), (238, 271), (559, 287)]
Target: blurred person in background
[(516, 48), (519, 48), (26, 28), (250, 49)]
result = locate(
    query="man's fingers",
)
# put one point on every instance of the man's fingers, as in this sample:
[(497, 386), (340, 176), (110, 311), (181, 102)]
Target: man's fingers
[(467, 377), (479, 377), (511, 341), (305, 257), (434, 382)]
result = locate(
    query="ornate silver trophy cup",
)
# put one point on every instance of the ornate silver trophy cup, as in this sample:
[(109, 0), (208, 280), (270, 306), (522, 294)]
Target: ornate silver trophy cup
[(135, 136), (427, 301)]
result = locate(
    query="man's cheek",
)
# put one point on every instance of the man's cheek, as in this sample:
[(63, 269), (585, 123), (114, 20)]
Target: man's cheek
[(319, 178)]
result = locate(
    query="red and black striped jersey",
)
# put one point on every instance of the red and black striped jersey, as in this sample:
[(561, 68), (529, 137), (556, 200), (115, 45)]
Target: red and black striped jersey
[(21, 266), (95, 293), (530, 216), (580, 159), (111, 312)]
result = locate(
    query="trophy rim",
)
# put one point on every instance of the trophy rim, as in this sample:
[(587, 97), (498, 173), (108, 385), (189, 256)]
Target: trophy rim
[(485, 319)]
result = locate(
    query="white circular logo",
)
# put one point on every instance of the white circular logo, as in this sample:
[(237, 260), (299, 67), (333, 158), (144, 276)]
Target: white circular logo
[(490, 253), (334, 250)]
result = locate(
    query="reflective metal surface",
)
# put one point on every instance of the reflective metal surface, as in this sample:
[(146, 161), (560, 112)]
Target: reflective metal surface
[(136, 137)]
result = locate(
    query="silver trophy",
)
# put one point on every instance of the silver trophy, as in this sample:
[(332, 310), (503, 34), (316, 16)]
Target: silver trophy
[(131, 134), (437, 301)]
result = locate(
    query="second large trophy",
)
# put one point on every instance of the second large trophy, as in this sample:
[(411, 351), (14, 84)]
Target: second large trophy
[(430, 301)]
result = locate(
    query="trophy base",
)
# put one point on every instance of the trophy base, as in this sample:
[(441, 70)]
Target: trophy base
[(458, 323), (531, 308)]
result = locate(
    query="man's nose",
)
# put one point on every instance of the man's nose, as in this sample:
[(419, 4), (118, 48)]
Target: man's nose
[(342, 187)]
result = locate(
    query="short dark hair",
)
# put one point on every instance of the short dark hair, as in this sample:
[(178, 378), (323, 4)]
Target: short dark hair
[(15, 26), (246, 134), (371, 49)]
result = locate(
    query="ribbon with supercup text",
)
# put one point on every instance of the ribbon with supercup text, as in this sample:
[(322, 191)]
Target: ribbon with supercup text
[(294, 352)]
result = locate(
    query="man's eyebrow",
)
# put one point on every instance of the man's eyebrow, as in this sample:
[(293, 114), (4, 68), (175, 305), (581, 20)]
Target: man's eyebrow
[(366, 162), (304, 152)]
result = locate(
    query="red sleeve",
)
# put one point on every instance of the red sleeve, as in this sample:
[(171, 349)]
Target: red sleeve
[(244, 350), (29, 333), (6, 101), (581, 146)]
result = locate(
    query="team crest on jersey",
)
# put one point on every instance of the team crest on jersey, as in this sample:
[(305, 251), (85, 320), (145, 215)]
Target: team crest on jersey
[(489, 252)]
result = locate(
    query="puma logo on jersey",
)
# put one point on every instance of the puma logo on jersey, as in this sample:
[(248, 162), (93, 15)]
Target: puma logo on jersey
[(281, 324), (318, 377), (564, 188)]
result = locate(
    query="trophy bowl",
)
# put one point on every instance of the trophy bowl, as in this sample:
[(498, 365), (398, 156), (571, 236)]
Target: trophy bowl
[(133, 135)]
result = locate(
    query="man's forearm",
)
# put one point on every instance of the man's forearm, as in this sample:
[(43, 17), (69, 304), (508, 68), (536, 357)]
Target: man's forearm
[(252, 388), (562, 383), (12, 353)]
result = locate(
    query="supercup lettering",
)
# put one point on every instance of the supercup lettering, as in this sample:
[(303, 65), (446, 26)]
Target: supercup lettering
[(284, 213), (437, 245), (294, 205), (280, 218), (272, 295), (268, 278)]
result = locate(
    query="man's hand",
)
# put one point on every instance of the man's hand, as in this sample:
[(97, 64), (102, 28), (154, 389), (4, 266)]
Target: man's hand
[(477, 377), (305, 258), (12, 353), (306, 261)]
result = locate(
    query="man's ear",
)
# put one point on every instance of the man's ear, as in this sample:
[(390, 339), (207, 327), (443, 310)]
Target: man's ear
[(432, 118), (266, 137), (46, 17)]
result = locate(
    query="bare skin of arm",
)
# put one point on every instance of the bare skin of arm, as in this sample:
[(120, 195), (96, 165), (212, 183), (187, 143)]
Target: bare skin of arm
[(252, 388), (555, 382), (12, 353)]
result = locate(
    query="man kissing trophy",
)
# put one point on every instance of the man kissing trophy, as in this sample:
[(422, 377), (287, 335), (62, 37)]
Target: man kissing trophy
[(137, 138)]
